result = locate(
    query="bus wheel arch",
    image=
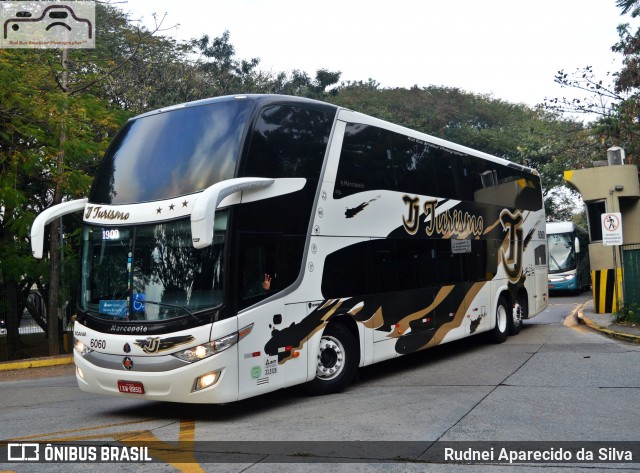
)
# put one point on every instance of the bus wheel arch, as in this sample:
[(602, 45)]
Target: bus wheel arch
[(337, 358)]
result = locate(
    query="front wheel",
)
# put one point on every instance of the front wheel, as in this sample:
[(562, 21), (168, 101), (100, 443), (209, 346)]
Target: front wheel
[(499, 332), (336, 362)]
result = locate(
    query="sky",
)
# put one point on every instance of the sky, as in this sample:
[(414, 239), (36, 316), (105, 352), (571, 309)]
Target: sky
[(510, 49)]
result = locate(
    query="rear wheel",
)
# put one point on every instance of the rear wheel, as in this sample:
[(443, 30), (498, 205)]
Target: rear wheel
[(336, 362), (518, 313), (503, 313)]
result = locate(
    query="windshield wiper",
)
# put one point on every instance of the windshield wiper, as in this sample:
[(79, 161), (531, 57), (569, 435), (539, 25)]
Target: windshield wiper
[(91, 312), (554, 261), (173, 306)]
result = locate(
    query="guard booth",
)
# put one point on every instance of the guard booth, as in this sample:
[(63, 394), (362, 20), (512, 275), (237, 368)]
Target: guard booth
[(611, 190)]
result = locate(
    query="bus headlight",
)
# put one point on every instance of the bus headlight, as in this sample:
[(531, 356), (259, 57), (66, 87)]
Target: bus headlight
[(206, 350), (205, 381), (80, 347)]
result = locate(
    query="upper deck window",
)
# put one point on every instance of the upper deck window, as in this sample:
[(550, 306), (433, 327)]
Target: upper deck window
[(172, 153), (374, 158), (289, 141)]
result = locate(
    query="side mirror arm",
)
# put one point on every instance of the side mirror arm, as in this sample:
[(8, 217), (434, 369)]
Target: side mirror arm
[(204, 208), (48, 216), (253, 189)]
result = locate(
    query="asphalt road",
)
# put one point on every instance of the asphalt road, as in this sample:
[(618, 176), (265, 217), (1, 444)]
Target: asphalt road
[(555, 382)]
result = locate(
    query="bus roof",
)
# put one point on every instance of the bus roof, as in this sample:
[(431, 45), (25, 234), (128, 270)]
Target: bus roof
[(263, 98), (560, 227), (344, 113)]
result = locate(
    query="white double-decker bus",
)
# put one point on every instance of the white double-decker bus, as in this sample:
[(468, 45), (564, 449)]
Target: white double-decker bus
[(237, 245)]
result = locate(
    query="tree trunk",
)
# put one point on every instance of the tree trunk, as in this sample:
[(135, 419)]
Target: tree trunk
[(53, 335), (9, 297), (10, 294)]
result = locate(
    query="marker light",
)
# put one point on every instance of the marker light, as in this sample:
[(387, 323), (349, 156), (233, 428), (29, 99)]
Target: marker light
[(80, 347), (206, 350), (205, 380)]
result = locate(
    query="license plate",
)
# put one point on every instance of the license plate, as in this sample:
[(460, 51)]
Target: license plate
[(130, 387)]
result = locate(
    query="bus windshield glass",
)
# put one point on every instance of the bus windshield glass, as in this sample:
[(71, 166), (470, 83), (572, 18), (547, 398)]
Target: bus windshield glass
[(172, 153), (151, 272), (561, 255)]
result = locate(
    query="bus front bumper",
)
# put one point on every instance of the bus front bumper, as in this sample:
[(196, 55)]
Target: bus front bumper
[(563, 283), (187, 384)]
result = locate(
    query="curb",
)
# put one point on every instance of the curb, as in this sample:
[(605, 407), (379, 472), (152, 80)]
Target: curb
[(627, 337), (37, 363)]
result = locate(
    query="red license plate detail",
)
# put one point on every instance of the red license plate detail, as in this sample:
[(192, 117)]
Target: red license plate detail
[(130, 387)]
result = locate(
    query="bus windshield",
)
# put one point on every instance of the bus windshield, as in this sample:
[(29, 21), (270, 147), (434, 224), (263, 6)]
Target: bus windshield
[(169, 154), (150, 272), (561, 255)]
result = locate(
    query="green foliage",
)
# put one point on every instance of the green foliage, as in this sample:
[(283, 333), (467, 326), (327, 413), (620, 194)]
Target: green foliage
[(612, 98), (50, 144), (629, 315)]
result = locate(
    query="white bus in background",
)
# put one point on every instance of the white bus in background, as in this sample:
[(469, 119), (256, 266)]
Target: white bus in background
[(569, 268), (237, 245)]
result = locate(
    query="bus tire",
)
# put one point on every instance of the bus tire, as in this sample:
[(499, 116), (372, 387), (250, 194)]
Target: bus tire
[(518, 314), (337, 361), (503, 314)]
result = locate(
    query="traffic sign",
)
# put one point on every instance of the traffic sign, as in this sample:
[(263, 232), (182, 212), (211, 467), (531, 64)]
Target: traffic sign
[(611, 228)]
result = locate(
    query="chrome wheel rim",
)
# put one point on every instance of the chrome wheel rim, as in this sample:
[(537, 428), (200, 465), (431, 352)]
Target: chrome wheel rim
[(331, 357), (517, 314)]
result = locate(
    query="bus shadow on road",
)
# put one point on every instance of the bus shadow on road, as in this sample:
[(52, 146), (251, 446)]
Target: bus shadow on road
[(378, 372)]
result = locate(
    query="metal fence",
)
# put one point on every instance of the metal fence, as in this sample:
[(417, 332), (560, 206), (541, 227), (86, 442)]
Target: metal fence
[(631, 271), (31, 339)]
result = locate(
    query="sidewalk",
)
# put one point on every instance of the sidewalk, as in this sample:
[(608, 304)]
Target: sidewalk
[(605, 323), (36, 362)]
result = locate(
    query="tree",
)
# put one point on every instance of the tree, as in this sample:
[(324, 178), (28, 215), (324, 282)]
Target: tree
[(219, 69), (56, 124), (48, 145), (614, 99)]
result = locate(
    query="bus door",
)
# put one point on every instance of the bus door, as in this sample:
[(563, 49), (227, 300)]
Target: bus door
[(274, 354), (539, 293), (257, 276), (259, 371)]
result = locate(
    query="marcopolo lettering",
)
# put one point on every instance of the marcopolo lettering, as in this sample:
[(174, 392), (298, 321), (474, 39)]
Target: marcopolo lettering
[(98, 212), (128, 328)]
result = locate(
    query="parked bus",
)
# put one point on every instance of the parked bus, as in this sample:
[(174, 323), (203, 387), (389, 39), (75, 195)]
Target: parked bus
[(569, 268), (237, 245)]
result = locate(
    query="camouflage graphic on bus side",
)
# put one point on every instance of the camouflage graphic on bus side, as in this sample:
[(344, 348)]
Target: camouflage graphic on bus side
[(421, 318)]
